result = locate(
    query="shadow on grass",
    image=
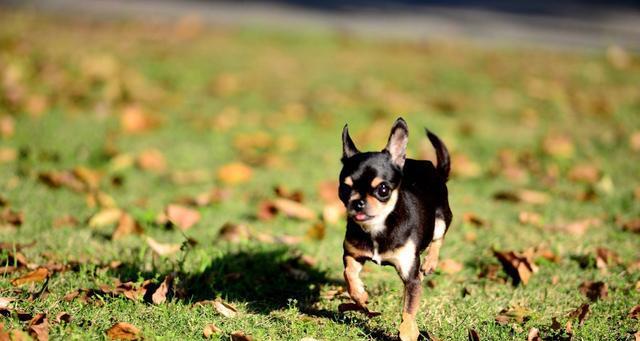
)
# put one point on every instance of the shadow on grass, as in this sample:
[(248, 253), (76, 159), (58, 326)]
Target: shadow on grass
[(266, 280)]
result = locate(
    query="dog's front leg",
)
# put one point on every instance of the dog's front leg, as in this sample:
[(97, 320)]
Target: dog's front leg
[(412, 294), (431, 258), (355, 287)]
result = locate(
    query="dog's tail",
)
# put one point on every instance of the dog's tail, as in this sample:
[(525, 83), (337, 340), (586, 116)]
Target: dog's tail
[(442, 155)]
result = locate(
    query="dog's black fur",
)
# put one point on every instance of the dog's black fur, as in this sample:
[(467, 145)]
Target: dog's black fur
[(421, 199)]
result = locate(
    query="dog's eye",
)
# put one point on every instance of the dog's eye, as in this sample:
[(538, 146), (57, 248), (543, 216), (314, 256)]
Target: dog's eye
[(382, 190)]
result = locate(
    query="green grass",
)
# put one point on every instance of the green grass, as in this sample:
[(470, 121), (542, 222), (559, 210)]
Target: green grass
[(299, 89)]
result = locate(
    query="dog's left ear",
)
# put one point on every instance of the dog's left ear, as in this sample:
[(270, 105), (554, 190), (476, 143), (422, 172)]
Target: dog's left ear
[(397, 145)]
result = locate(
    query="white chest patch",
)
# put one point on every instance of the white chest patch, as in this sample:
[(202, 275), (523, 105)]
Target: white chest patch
[(439, 229), (403, 258), (376, 255)]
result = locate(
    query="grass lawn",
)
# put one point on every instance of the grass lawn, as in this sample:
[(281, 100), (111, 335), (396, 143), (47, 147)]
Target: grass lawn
[(103, 117)]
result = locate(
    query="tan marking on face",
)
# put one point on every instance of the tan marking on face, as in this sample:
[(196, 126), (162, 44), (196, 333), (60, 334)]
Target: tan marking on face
[(356, 252), (348, 181), (375, 182), (379, 211), (354, 196)]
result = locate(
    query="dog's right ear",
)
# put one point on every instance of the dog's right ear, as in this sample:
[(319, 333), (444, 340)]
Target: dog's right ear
[(348, 147)]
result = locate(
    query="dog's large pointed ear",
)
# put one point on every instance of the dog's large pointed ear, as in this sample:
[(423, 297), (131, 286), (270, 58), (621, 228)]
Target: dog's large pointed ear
[(397, 145), (348, 147)]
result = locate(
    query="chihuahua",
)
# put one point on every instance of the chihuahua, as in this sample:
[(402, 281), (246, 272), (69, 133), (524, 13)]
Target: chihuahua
[(396, 209)]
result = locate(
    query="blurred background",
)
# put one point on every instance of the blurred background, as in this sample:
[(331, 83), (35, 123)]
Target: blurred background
[(173, 165)]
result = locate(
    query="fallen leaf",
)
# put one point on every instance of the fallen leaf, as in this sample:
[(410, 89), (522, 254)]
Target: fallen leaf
[(225, 309), (151, 160), (462, 166), (160, 295), (64, 221), (135, 120), (161, 248), (473, 219), (63, 317), (328, 192), (285, 193), (240, 336), (89, 177), (525, 196), (266, 210), (234, 232), (632, 225), (11, 218), (450, 266), (634, 141), (594, 290), (8, 154), (333, 213), (294, 209), (580, 313), (518, 266), (473, 335), (210, 329), (588, 173), (123, 331), (558, 145), (7, 126), (235, 173), (126, 226), (182, 217), (105, 217), (515, 314), (634, 313), (576, 228), (38, 327), (37, 275), (65, 178), (534, 335), (606, 257), (529, 218), (317, 231), (345, 307)]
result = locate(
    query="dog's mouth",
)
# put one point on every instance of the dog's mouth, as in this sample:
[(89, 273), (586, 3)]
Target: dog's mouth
[(361, 216)]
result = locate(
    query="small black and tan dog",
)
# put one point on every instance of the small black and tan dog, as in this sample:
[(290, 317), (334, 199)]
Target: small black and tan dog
[(396, 209)]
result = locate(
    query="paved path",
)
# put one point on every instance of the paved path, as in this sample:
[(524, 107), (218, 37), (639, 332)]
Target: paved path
[(583, 27)]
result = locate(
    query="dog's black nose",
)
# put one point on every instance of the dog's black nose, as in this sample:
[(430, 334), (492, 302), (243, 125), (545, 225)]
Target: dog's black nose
[(358, 205)]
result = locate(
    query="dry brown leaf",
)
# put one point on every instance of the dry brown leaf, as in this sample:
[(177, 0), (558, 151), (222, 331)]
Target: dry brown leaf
[(8, 154), (6, 301), (266, 210), (525, 196), (123, 331), (160, 295), (210, 329), (63, 317), (225, 309), (105, 217), (328, 192), (534, 335), (515, 314), (333, 213), (529, 218), (126, 226), (39, 327), (285, 193), (68, 179), (89, 177), (634, 141), (558, 145), (135, 120), (519, 267), (473, 219), (588, 173), (464, 167), (11, 218), (473, 335), (182, 217), (66, 220), (594, 290), (450, 266), (317, 231), (240, 336), (7, 126), (235, 173), (294, 209), (576, 228), (581, 313), (606, 257), (151, 160), (632, 225), (234, 232), (162, 249), (37, 275), (634, 313)]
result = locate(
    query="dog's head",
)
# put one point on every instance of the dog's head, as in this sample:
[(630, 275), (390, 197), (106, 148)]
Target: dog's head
[(370, 181)]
